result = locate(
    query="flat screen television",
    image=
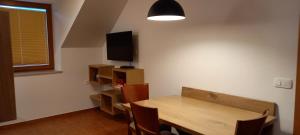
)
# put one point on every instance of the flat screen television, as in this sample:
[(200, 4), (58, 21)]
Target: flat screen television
[(120, 46)]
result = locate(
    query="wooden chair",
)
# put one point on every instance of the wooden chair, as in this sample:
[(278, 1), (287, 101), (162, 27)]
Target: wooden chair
[(136, 92), (133, 93), (251, 127), (146, 120)]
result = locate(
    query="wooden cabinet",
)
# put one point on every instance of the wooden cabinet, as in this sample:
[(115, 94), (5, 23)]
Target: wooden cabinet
[(101, 74)]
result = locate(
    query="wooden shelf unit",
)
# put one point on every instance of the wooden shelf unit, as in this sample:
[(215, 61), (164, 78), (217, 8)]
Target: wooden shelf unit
[(100, 74), (109, 100)]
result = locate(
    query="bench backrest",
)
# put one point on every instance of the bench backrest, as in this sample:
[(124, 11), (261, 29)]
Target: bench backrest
[(230, 100)]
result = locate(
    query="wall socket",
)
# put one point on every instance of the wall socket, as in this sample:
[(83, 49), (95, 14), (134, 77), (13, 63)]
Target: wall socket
[(283, 83)]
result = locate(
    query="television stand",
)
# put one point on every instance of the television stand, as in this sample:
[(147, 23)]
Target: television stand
[(127, 67)]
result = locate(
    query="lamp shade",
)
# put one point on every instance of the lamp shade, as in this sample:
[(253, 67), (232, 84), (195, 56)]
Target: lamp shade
[(166, 10)]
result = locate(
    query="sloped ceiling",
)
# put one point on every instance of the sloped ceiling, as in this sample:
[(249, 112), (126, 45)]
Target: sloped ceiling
[(95, 19)]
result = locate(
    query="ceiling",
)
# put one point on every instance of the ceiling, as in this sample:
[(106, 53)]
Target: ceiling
[(95, 19)]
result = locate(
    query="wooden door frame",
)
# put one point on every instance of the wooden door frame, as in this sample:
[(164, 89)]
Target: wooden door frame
[(7, 90), (297, 99)]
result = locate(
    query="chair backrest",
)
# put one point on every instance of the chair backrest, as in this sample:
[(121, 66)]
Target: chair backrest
[(135, 92), (146, 119), (251, 127)]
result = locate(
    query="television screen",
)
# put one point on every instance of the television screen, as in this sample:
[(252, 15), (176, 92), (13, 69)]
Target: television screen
[(120, 46)]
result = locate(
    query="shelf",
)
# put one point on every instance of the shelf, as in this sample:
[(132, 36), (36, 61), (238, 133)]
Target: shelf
[(119, 106), (96, 98), (105, 77), (125, 69), (100, 74), (100, 65), (105, 81), (110, 100), (94, 82), (106, 104), (111, 93)]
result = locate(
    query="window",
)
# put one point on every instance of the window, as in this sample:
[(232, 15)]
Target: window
[(31, 35)]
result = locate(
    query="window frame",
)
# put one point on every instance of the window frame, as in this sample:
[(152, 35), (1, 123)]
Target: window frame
[(48, 9)]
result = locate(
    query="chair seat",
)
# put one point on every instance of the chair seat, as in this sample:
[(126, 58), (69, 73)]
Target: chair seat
[(166, 133)]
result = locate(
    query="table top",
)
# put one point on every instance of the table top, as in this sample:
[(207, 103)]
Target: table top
[(198, 116)]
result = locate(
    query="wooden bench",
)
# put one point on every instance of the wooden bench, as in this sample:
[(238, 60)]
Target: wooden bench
[(254, 105)]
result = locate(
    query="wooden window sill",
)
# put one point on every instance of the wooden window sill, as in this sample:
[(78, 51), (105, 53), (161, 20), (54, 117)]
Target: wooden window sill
[(35, 73)]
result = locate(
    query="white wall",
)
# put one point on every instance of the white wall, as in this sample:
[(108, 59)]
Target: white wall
[(64, 15), (47, 95), (233, 46)]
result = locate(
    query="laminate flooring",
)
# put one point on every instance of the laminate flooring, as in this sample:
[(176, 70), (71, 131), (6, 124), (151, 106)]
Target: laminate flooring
[(88, 122)]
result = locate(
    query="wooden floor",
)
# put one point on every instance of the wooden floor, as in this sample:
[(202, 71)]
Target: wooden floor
[(89, 122)]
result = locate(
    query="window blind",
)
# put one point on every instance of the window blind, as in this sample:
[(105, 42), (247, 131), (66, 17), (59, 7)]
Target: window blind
[(28, 37)]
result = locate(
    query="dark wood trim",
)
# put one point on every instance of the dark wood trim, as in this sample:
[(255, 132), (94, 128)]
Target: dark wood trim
[(25, 4), (48, 8), (33, 68), (7, 88), (297, 102), (50, 37), (49, 118)]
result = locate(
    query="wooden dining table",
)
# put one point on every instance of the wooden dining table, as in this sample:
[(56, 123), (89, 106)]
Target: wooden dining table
[(199, 117)]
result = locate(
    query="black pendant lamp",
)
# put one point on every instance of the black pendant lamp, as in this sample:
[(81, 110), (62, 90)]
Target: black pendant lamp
[(166, 10)]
